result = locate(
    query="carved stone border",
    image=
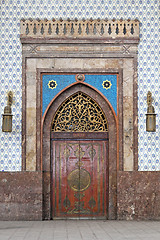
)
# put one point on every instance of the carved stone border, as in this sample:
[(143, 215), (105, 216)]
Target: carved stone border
[(79, 29)]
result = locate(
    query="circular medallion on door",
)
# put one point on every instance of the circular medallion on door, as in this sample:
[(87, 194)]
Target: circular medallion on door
[(79, 179)]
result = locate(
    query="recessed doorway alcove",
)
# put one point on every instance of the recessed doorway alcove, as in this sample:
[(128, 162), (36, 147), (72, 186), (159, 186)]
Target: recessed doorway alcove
[(97, 60)]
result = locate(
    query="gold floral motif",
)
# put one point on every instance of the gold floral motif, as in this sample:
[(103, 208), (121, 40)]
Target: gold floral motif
[(52, 84), (107, 84), (79, 113), (79, 153), (92, 153), (66, 202), (92, 202), (79, 195), (79, 208), (66, 152)]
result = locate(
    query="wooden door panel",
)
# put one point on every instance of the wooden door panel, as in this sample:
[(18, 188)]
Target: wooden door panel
[(79, 179)]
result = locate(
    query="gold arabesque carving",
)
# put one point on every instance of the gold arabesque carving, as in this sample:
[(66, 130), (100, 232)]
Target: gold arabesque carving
[(79, 113)]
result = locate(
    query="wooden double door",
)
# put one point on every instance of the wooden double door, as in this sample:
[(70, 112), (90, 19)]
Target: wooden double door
[(80, 179)]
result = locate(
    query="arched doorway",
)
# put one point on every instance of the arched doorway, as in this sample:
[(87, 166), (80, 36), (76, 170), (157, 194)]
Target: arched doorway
[(80, 161), (93, 54), (79, 143)]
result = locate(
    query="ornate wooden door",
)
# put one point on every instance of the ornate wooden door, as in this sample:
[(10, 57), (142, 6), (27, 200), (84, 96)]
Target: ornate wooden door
[(79, 164), (79, 179)]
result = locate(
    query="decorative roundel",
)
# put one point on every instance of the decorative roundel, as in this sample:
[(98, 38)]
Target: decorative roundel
[(79, 184), (80, 77), (52, 84), (106, 84)]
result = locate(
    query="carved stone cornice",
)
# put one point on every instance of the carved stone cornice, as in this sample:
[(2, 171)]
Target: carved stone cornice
[(83, 30)]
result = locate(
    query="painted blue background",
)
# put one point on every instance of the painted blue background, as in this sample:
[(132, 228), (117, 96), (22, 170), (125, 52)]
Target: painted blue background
[(65, 80)]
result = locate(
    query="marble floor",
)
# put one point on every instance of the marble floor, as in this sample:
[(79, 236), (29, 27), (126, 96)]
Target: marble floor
[(80, 229)]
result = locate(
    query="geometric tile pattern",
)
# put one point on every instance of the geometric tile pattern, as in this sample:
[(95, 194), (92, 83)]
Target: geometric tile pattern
[(12, 11), (62, 81)]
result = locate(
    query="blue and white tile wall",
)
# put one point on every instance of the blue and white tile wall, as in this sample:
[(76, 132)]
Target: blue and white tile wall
[(11, 11)]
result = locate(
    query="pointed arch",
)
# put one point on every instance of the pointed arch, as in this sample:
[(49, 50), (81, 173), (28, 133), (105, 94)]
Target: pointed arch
[(112, 131), (72, 85), (79, 113)]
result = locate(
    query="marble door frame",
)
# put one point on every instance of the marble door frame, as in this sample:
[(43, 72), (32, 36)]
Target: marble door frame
[(52, 54)]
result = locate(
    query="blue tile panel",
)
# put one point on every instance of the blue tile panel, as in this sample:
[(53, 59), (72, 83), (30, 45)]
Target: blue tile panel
[(63, 81), (147, 11)]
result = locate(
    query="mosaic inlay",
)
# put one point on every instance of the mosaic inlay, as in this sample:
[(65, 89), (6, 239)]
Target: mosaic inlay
[(95, 80), (52, 84), (106, 84)]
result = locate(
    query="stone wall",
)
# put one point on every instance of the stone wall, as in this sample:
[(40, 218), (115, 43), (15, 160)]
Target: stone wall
[(20, 196), (138, 195)]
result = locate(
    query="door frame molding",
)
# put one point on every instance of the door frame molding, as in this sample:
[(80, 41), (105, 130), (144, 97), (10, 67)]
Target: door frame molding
[(46, 146)]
